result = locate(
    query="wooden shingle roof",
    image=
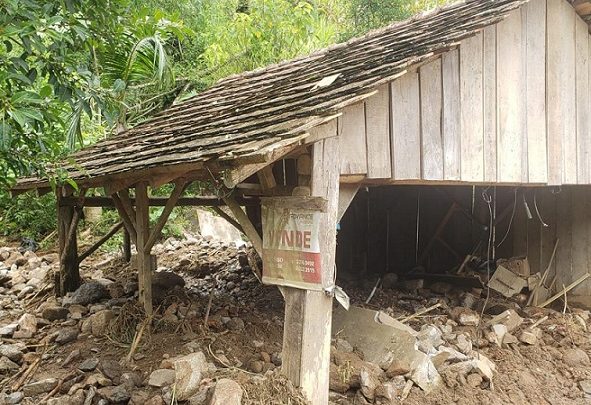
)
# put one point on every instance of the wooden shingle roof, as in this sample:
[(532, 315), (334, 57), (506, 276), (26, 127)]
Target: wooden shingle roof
[(257, 111)]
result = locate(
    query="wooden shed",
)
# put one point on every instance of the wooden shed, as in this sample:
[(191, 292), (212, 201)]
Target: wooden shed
[(486, 98)]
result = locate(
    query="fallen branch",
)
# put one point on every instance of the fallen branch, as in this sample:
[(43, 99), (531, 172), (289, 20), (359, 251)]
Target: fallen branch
[(57, 387), (28, 374), (538, 322), (567, 289)]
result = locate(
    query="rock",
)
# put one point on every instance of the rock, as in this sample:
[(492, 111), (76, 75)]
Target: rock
[(39, 387), (161, 378), (575, 357), (386, 392), (441, 287), (509, 339), (474, 380), (115, 394), (111, 369), (499, 331), (465, 316), (139, 398), (14, 398), (28, 324), (8, 330), (226, 392), (12, 352), (369, 383), (66, 335), (55, 313), (7, 365), (131, 379), (585, 386), (188, 372), (77, 311), (88, 365), (464, 344), (337, 382), (398, 367), (87, 293), (343, 346), (429, 338), (116, 290), (155, 400), (100, 322), (265, 357), (256, 366), (411, 285), (86, 326), (98, 380), (74, 354), (509, 318)]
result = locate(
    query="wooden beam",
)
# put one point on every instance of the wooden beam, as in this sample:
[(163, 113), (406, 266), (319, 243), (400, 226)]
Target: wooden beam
[(129, 225), (101, 241), (346, 194), (174, 197), (267, 179), (247, 226), (228, 218), (126, 201), (204, 201), (308, 314), (126, 246), (144, 259)]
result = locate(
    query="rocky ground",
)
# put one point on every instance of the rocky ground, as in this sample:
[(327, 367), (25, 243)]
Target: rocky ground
[(216, 338)]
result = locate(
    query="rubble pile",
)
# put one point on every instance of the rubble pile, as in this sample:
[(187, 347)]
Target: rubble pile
[(216, 337)]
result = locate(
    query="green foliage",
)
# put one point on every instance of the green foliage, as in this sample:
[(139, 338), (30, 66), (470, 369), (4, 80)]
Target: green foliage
[(26, 216)]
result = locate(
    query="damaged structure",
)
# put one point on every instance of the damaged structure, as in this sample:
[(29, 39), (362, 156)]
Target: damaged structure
[(463, 132)]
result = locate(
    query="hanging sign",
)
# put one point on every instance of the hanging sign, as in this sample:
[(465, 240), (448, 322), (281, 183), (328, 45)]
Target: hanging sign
[(291, 243)]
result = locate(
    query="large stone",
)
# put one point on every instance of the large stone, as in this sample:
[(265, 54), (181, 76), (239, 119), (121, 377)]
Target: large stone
[(382, 339), (163, 282), (111, 369), (66, 335), (369, 383), (575, 357), (100, 322), (39, 387), (188, 372), (55, 313), (14, 398), (8, 330), (87, 293), (226, 392), (7, 365), (161, 378), (88, 364), (28, 324), (465, 316), (12, 352), (115, 395)]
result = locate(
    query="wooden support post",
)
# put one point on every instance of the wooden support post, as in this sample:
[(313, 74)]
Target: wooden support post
[(176, 194), (228, 218), (69, 275), (144, 259), (126, 246), (308, 314), (247, 226)]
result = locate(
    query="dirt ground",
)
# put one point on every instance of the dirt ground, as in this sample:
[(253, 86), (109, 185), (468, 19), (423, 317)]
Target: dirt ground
[(237, 323)]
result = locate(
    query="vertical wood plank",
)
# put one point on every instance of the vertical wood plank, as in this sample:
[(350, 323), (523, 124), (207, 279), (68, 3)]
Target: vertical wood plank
[(451, 126), (581, 244), (377, 126), (354, 150), (511, 99), (306, 340), (536, 91), (564, 230), (431, 113), (583, 110), (490, 103), (406, 127), (144, 260), (472, 112), (561, 111)]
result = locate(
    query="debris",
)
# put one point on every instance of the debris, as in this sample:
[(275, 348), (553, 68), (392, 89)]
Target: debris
[(39, 387), (465, 316), (528, 337), (506, 282), (575, 357), (509, 318), (566, 289), (188, 372), (87, 293), (519, 266)]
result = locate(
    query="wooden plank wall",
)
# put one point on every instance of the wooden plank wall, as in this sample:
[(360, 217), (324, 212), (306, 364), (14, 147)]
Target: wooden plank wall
[(511, 105), (567, 212)]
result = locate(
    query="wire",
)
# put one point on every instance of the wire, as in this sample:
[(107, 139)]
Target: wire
[(511, 219), (488, 200), (545, 225)]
